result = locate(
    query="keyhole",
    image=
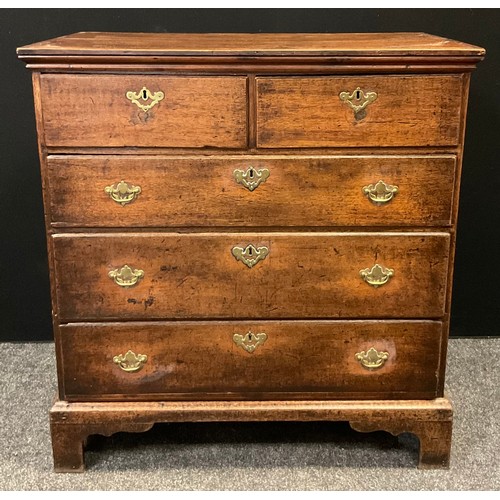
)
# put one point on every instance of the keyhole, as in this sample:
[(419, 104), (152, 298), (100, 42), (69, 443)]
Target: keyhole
[(357, 94), (250, 251), (250, 337), (144, 95), (250, 173)]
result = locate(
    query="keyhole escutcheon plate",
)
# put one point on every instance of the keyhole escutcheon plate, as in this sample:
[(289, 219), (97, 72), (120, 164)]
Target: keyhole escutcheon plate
[(145, 99), (358, 100), (250, 255), (250, 341), (252, 178)]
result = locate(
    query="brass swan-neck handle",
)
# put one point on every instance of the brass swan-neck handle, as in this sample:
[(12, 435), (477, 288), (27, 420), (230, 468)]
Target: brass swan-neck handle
[(377, 275), (130, 361), (372, 359), (380, 192), (126, 276)]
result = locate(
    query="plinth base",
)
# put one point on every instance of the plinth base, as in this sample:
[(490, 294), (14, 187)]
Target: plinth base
[(430, 421)]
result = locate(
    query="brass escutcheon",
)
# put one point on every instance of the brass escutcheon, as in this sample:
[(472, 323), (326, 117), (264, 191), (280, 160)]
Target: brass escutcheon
[(130, 362), (380, 192), (122, 192), (252, 178), (372, 359), (250, 255), (145, 95), (126, 276), (377, 275), (358, 101), (250, 341)]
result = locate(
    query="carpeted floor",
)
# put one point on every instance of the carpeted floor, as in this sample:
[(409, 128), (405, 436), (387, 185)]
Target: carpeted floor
[(253, 456)]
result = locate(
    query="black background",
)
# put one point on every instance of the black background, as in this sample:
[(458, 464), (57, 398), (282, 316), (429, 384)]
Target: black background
[(24, 285)]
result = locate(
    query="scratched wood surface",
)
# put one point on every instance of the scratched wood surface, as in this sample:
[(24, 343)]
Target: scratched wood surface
[(72, 423), (87, 110), (300, 191), (195, 360), (377, 44), (305, 275), (273, 100), (408, 111)]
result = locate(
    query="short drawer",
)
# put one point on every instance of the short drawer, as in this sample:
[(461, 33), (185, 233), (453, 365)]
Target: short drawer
[(126, 110), (258, 191), (250, 275), (251, 359), (359, 111)]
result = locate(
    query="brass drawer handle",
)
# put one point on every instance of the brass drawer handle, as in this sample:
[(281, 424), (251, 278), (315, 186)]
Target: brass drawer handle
[(380, 192), (372, 359), (130, 362), (145, 95), (358, 101), (250, 341), (126, 276), (377, 275), (122, 192), (250, 255), (252, 178)]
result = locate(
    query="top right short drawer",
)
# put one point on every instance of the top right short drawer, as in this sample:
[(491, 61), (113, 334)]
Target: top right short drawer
[(368, 111)]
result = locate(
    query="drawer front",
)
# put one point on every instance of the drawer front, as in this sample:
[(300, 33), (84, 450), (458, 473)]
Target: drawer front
[(398, 111), (251, 191), (191, 360), (250, 275), (98, 110)]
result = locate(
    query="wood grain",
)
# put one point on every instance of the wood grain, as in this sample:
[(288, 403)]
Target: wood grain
[(409, 111), (434, 437), (86, 110), (269, 101), (195, 358), (306, 275), (215, 65), (278, 44), (430, 420), (317, 191), (68, 441)]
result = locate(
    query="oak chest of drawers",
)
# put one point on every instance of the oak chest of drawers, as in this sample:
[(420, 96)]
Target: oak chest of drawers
[(251, 227)]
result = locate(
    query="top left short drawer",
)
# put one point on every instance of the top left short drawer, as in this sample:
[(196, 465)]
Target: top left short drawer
[(144, 111)]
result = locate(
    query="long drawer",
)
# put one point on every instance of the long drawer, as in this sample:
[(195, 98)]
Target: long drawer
[(255, 360), (255, 191), (359, 111), (144, 110), (250, 275)]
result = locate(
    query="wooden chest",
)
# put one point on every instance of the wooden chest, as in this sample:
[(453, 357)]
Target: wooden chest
[(251, 227)]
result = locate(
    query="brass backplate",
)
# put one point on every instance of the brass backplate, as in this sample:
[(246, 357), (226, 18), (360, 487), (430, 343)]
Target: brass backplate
[(252, 178), (122, 192), (377, 275), (126, 276), (250, 255), (380, 192), (358, 100), (372, 359), (130, 362), (145, 99), (250, 341)]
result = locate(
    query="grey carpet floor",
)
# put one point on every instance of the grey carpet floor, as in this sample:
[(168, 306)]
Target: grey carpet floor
[(251, 456)]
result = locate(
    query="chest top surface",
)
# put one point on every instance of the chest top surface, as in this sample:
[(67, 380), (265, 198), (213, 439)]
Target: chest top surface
[(251, 44)]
